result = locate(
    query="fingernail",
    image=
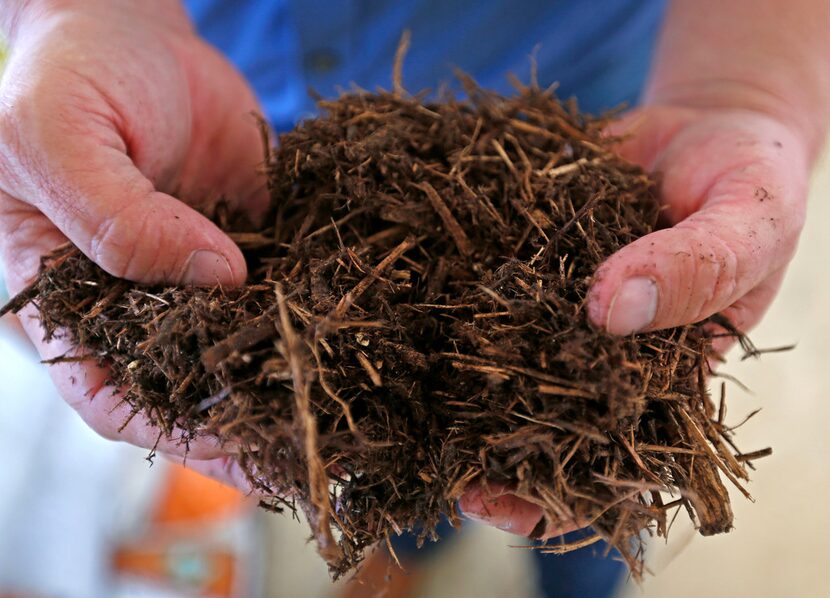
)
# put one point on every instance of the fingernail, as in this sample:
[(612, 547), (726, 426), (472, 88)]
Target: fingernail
[(633, 307), (207, 268), (497, 522), (509, 526), (474, 517), (473, 507)]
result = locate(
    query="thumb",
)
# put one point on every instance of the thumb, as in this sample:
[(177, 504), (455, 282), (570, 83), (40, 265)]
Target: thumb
[(89, 188), (733, 184), (747, 230)]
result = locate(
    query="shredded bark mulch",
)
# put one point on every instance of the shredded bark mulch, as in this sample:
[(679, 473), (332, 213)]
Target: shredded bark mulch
[(414, 322)]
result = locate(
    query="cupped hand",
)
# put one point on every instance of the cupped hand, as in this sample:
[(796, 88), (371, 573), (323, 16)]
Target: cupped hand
[(733, 183), (734, 187), (117, 123)]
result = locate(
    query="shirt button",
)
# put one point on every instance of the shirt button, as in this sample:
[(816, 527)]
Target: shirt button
[(321, 61)]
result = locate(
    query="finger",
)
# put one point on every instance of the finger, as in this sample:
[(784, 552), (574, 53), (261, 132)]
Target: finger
[(85, 387), (225, 159), (699, 267), (642, 134), (82, 179), (502, 511), (745, 313), (26, 235), (744, 225), (237, 177), (225, 470), (495, 506)]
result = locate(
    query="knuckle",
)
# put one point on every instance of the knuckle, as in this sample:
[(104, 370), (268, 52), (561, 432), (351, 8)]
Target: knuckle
[(12, 154), (99, 245), (27, 150), (707, 278), (116, 244), (18, 231), (725, 266)]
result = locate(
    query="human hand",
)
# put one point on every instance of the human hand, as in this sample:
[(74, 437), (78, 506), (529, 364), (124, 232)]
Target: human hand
[(734, 185), (107, 106)]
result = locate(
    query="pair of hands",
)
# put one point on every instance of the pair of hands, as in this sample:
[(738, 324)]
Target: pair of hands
[(104, 111)]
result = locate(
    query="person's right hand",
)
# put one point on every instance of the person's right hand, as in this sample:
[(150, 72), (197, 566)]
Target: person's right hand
[(106, 106)]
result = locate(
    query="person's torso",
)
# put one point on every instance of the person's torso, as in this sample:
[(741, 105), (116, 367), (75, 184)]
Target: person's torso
[(598, 51)]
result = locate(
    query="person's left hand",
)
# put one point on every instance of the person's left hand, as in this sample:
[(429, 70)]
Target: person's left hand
[(734, 186)]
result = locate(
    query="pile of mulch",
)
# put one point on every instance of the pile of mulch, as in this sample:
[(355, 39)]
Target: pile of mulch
[(414, 322)]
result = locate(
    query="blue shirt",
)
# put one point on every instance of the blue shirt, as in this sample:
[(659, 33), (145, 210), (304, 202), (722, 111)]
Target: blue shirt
[(598, 50)]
